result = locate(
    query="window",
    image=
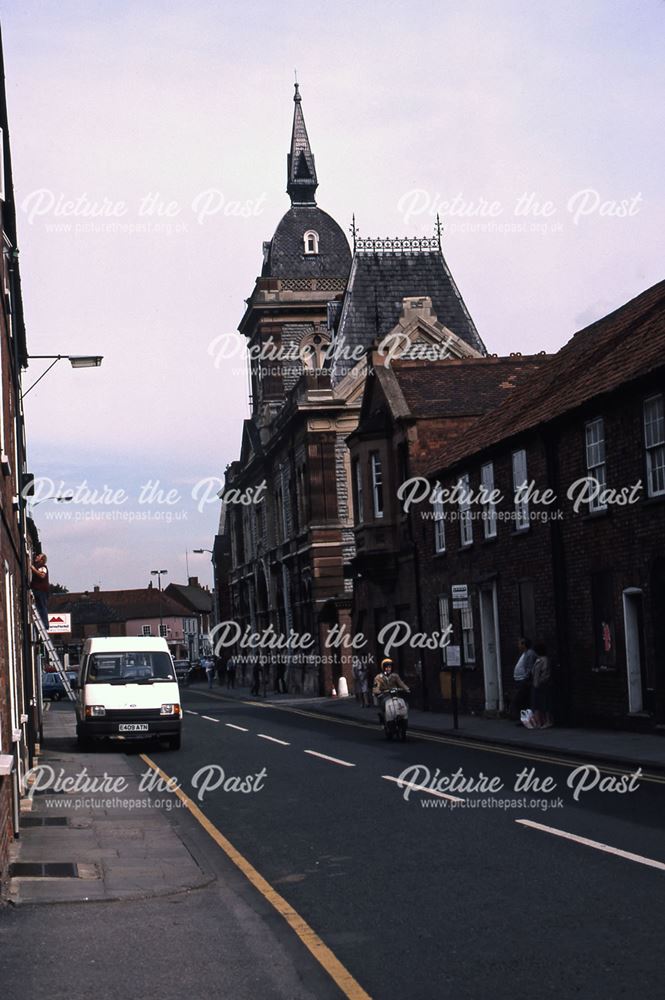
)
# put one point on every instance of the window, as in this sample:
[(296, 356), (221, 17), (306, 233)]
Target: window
[(595, 458), (489, 507), (358, 490), (444, 623), (439, 527), (465, 523), (311, 241), (519, 481), (654, 443), (377, 484), (146, 630), (163, 631), (468, 644), (313, 352)]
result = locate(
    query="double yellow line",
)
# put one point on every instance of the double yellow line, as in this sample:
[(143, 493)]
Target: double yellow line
[(349, 986)]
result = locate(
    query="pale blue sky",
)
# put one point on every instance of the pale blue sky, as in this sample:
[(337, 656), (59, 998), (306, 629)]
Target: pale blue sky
[(121, 101)]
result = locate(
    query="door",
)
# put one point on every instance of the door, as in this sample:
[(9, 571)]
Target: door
[(489, 631), (632, 620)]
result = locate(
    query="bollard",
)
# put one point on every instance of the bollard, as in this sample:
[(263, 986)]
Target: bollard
[(342, 688)]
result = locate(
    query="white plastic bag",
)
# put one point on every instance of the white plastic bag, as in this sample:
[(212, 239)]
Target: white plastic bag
[(528, 719)]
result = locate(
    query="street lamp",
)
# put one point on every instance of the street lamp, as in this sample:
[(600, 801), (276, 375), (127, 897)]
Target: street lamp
[(57, 499), (75, 360), (159, 573)]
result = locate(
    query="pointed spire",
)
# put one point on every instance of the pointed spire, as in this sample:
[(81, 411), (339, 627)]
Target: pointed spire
[(301, 171)]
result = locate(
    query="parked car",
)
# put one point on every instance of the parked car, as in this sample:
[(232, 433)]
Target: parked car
[(182, 671), (52, 687)]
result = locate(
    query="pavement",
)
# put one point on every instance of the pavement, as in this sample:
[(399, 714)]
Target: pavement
[(121, 844), (620, 747)]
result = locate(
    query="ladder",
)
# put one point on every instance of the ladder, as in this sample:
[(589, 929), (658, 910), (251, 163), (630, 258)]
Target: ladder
[(53, 657)]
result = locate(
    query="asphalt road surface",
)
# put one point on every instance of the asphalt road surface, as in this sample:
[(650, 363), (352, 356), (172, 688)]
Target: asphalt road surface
[(424, 897), (414, 895)]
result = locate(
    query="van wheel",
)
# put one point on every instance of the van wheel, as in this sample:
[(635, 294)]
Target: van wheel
[(84, 742), (174, 742)]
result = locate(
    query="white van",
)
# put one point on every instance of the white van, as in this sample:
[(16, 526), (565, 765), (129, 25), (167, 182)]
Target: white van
[(128, 690)]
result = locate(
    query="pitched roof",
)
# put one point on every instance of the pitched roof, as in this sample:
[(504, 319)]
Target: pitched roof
[(119, 605), (192, 596), (381, 279), (621, 347), (462, 386)]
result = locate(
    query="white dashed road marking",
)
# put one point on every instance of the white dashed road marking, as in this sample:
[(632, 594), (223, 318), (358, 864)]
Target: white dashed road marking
[(273, 739), (628, 855), (240, 728), (333, 760), (421, 788), (209, 718)]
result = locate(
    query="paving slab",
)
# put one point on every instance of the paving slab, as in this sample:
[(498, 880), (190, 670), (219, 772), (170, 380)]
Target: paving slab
[(122, 852)]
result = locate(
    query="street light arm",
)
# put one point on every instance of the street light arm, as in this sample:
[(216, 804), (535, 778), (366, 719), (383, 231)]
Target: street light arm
[(52, 365)]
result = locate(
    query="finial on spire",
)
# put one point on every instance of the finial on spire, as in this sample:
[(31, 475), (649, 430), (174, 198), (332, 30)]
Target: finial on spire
[(438, 229), (301, 171), (353, 230), (296, 96)]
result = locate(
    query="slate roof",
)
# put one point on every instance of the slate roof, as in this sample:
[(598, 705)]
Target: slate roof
[(623, 346), (378, 283), (465, 386), (285, 254), (118, 605), (194, 597)]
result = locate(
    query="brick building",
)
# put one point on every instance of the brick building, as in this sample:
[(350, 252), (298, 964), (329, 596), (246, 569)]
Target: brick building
[(143, 611), (19, 709), (409, 408), (313, 315), (581, 569)]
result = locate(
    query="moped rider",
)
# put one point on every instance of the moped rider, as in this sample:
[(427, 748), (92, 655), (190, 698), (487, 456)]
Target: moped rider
[(385, 681)]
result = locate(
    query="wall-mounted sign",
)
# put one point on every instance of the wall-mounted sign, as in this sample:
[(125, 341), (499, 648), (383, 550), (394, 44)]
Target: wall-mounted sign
[(59, 623)]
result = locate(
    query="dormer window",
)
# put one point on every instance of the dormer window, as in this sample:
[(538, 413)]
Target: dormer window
[(311, 240)]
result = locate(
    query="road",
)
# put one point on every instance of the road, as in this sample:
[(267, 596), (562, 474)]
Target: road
[(331, 880), (417, 899)]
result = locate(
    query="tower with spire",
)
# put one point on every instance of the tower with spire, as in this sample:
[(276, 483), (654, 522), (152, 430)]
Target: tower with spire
[(301, 170), (306, 265)]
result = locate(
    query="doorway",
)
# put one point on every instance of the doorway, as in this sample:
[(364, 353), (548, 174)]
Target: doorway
[(489, 631)]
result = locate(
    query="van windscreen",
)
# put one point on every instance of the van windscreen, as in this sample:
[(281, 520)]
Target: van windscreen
[(129, 668)]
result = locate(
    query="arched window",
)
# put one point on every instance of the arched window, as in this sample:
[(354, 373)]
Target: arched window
[(311, 240), (313, 349)]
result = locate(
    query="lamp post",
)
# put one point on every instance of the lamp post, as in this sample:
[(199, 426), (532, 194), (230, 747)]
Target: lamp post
[(159, 573)]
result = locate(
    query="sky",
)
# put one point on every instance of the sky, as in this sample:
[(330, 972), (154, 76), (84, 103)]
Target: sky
[(149, 146)]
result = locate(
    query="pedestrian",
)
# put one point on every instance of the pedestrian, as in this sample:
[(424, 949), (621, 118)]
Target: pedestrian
[(541, 688), (280, 685), (221, 670), (39, 584), (209, 665), (522, 676), (231, 673), (256, 680), (360, 683)]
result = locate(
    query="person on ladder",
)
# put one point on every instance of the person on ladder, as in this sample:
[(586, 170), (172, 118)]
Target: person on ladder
[(39, 584)]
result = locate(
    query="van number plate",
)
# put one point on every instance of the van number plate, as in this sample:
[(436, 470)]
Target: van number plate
[(133, 727)]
